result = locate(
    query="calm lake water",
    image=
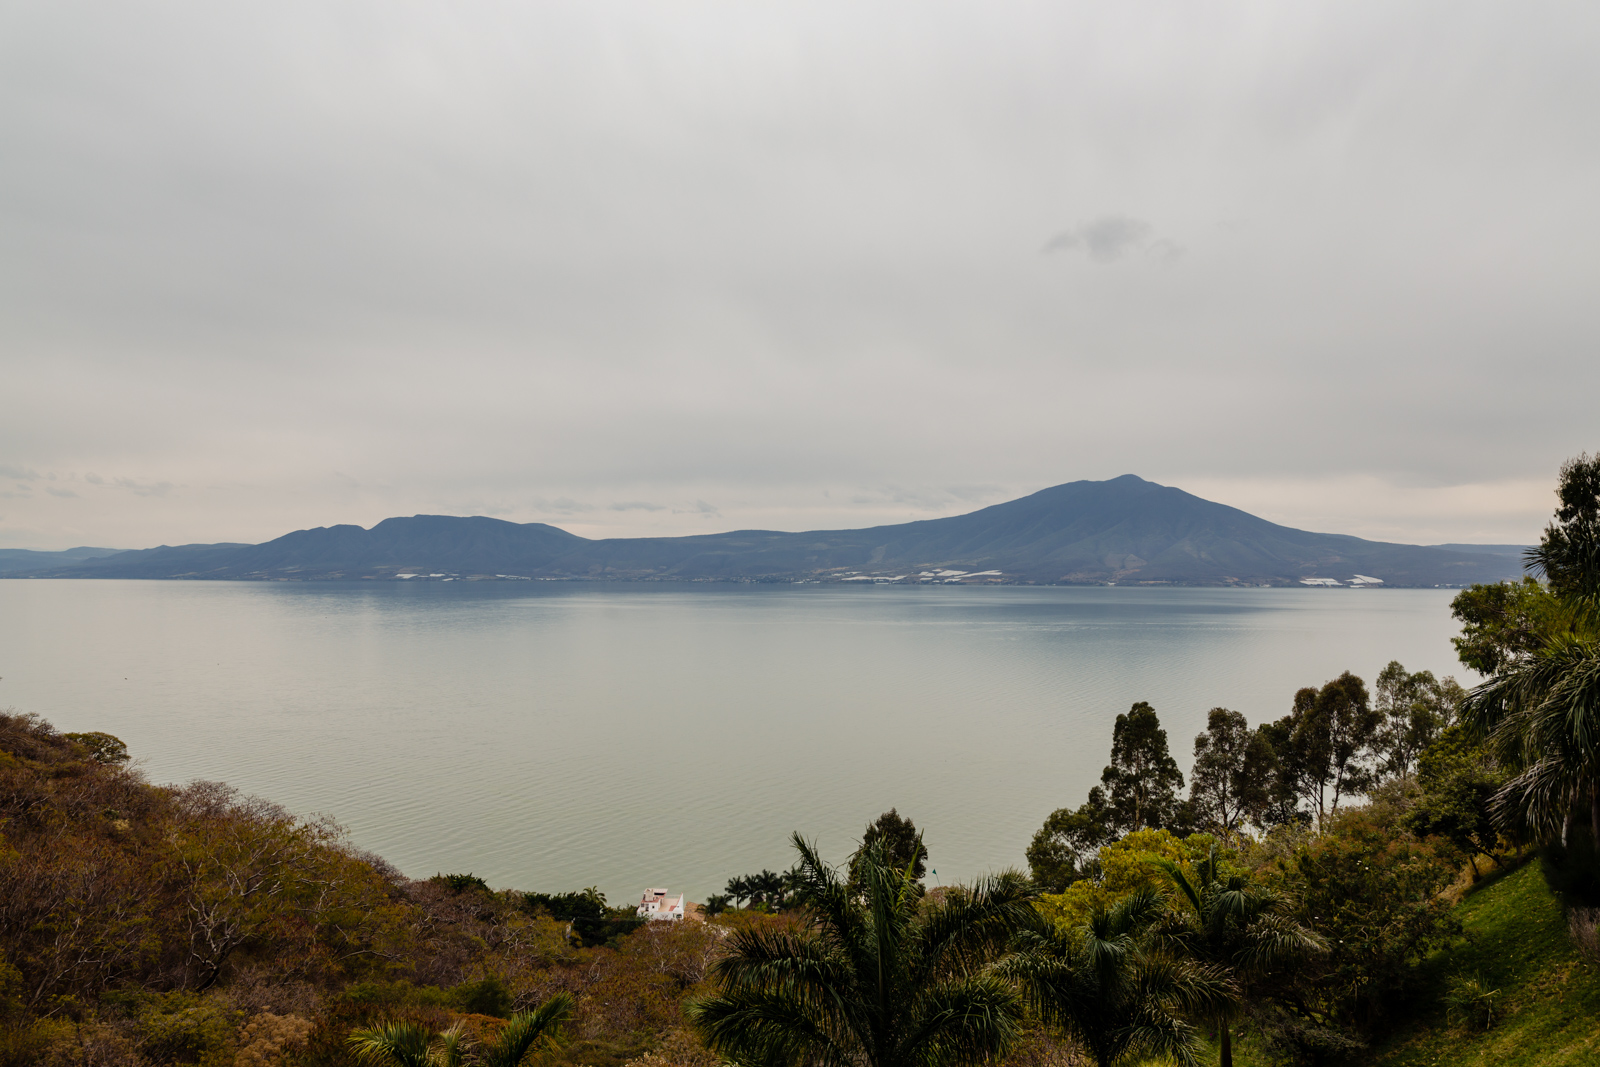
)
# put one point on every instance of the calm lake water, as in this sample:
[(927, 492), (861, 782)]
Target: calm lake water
[(552, 735)]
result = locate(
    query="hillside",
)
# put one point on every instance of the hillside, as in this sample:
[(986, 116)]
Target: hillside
[(1122, 530), (23, 559), (1545, 997), (1548, 1001)]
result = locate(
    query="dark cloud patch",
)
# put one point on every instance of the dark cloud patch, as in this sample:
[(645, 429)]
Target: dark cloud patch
[(1111, 237)]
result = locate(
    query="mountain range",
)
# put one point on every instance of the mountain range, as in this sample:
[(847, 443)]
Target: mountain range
[(1125, 530)]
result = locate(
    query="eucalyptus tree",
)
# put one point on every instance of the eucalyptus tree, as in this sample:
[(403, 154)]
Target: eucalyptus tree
[(1235, 928), (1063, 849), (878, 977), (1142, 781), (1108, 983), (1415, 709), (1231, 777), (1327, 744)]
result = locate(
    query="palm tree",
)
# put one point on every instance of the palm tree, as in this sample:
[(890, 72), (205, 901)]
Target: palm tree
[(1235, 928), (404, 1044), (526, 1031), (768, 888), (1108, 985), (410, 1044), (1541, 716), (1541, 710), (874, 978)]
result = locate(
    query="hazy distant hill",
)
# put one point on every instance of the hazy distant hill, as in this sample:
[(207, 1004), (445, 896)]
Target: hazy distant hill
[(1123, 530), (26, 559)]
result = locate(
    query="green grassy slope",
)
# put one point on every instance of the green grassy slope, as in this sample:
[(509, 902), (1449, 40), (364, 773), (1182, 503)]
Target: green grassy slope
[(1549, 1001), (1547, 1011)]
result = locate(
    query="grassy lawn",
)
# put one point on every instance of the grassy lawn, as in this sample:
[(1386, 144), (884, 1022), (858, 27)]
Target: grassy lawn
[(1549, 1011)]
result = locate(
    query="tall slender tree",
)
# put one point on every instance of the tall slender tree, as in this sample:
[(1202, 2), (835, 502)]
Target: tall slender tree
[(1415, 708), (1142, 780), (1228, 783), (1331, 733)]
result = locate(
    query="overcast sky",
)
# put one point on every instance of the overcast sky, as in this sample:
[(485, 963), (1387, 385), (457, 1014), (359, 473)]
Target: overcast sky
[(636, 268)]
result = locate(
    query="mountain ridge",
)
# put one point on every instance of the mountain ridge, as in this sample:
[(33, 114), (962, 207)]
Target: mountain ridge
[(1124, 529)]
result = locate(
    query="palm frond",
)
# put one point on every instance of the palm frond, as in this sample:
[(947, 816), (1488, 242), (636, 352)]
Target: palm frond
[(1176, 876), (526, 1030), (404, 1044), (971, 1019), (449, 1048), (967, 928), (771, 1029)]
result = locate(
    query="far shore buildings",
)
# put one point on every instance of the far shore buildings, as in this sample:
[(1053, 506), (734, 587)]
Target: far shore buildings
[(656, 904), (1356, 582)]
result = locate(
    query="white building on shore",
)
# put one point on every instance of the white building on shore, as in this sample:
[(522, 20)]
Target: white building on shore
[(656, 904)]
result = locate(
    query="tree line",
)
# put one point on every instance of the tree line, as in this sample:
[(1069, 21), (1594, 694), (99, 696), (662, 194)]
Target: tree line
[(1336, 743)]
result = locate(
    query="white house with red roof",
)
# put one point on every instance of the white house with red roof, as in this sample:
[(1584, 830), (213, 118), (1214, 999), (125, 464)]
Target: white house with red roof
[(656, 904)]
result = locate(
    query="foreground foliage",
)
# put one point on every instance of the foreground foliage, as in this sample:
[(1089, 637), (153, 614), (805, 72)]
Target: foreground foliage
[(1242, 930), (162, 926), (1108, 983), (1546, 998), (869, 976)]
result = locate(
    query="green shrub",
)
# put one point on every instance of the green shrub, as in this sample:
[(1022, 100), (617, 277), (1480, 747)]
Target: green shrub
[(490, 996), (183, 1028), (397, 994), (461, 883), (1469, 1000)]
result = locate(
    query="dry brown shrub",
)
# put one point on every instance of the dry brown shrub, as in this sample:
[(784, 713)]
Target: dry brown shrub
[(90, 1044), (1584, 925), (265, 1040), (680, 1048), (254, 989), (1043, 1047)]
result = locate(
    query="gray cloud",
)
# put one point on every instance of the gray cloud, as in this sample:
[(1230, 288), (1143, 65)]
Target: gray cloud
[(782, 256), (562, 506), (1110, 237), (139, 488)]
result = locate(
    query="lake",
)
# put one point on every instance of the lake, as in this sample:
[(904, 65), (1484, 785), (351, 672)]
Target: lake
[(554, 735)]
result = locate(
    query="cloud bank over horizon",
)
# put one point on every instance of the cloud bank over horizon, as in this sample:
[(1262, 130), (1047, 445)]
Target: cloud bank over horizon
[(655, 269)]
